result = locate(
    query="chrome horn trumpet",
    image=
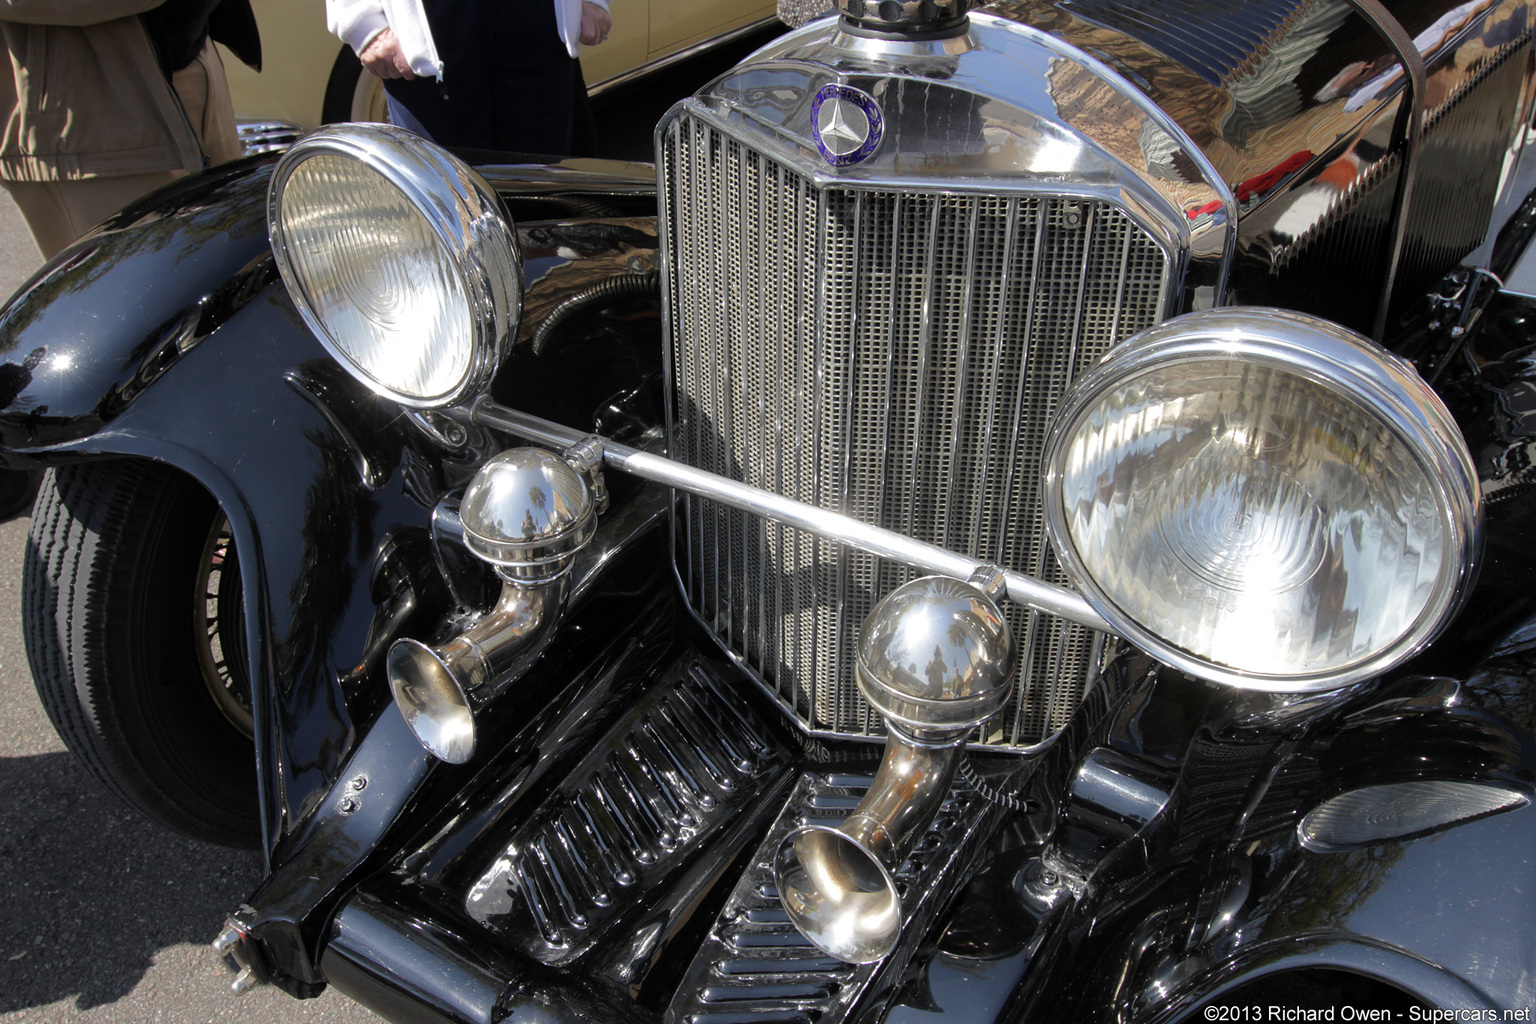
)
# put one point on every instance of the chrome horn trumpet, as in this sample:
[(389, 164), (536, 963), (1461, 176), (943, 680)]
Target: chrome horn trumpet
[(527, 512), (935, 658)]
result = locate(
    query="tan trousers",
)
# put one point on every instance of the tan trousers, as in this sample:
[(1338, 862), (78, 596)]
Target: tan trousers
[(204, 93), (58, 212)]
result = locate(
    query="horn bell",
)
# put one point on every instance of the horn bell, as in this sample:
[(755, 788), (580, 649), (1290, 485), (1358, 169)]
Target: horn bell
[(528, 513), (935, 659)]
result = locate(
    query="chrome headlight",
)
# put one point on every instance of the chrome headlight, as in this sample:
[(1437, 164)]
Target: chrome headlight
[(1263, 499), (400, 258)]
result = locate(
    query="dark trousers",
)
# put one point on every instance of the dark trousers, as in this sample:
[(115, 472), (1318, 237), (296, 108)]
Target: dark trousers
[(508, 83)]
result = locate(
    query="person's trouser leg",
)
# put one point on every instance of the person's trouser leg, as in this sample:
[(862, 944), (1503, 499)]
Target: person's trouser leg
[(58, 212), (204, 95), (401, 116)]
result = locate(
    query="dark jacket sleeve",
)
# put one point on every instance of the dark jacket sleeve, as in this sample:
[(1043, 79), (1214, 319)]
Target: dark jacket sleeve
[(234, 24), (178, 29)]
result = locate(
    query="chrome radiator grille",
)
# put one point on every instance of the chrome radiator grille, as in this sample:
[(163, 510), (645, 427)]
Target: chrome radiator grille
[(894, 355)]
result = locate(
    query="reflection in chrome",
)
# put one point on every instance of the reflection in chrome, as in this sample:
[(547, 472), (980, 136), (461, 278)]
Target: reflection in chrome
[(934, 659), (754, 956), (1118, 788), (686, 764), (258, 137), (1398, 810), (529, 514)]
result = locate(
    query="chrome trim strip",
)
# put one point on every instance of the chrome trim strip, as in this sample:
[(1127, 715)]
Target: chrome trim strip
[(847, 441), (258, 137), (1022, 589), (1005, 284), (957, 417), (1407, 51)]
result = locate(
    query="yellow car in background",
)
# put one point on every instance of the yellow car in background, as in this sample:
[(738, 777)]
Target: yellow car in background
[(311, 78)]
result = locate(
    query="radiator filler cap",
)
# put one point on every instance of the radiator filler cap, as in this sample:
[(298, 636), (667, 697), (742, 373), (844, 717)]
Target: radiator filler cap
[(904, 19)]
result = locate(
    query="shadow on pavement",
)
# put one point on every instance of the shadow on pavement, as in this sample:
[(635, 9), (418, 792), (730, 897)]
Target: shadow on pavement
[(92, 891), (17, 489)]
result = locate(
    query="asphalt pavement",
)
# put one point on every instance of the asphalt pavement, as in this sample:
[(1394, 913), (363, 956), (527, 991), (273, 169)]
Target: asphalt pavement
[(104, 916)]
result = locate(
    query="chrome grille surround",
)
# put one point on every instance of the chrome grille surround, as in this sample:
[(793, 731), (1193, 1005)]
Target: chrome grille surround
[(892, 346)]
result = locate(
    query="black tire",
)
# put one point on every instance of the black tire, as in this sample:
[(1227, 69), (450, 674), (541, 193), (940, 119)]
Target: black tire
[(114, 569), (343, 101)]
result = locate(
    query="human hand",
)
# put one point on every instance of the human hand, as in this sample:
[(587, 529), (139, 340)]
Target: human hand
[(595, 23), (383, 56)]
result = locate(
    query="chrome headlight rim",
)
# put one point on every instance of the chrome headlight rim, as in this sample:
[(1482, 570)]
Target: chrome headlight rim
[(471, 225), (1323, 353)]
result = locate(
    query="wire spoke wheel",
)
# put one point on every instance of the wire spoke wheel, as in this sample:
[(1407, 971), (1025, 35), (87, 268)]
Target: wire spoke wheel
[(218, 620)]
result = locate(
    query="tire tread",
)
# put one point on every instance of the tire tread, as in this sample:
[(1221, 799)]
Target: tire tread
[(89, 527)]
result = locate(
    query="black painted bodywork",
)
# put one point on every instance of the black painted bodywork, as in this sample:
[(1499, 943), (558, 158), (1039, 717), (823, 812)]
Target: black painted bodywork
[(167, 335)]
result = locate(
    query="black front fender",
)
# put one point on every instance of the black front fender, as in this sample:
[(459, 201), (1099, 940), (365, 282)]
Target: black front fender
[(91, 331), (168, 335)]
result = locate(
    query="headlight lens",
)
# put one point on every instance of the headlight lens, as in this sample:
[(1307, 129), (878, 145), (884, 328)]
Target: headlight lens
[(400, 258), (1264, 499)]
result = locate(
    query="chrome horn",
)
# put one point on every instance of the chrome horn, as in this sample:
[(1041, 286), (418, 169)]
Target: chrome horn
[(935, 657), (527, 512)]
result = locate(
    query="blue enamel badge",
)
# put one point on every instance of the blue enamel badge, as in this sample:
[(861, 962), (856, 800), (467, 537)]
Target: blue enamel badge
[(847, 123)]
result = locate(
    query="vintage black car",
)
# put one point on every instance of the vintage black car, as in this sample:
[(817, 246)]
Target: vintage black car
[(1023, 515)]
